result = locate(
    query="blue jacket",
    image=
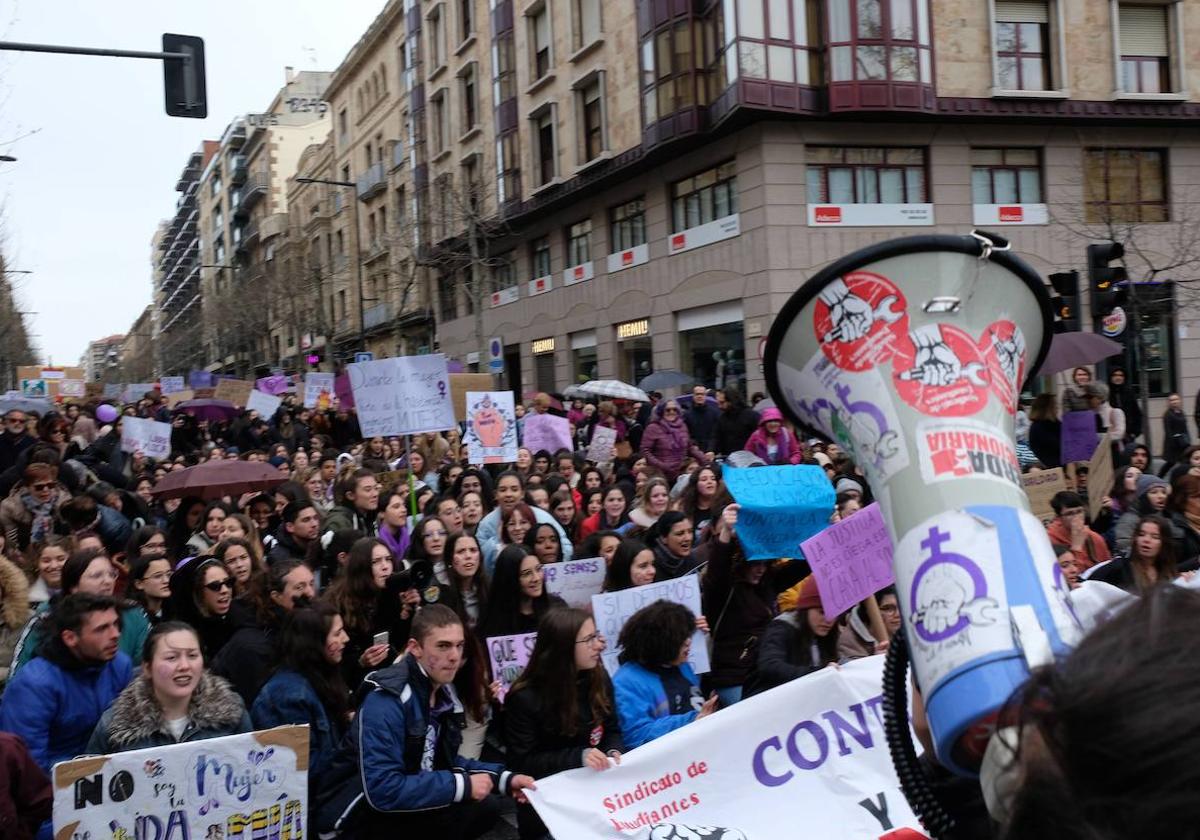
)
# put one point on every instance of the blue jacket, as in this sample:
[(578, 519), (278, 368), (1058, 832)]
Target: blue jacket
[(642, 704), (379, 763), (288, 698), (55, 702)]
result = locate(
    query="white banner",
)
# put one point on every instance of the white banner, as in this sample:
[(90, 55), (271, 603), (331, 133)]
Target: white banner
[(265, 404), (318, 384), (406, 395), (613, 609), (171, 384), (151, 438), (491, 436), (1011, 214), (807, 758), (576, 581)]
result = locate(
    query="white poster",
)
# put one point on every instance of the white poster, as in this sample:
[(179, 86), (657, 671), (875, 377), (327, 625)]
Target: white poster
[(254, 784), (809, 753), (604, 441), (612, 609), (265, 404), (725, 227), (576, 581), (171, 384), (316, 386), (491, 436), (151, 438), (406, 395), (71, 388), (1011, 214)]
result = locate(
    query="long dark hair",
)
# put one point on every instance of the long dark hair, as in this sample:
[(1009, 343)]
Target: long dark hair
[(532, 534), (621, 567), (416, 543), (354, 594), (479, 582), (623, 488), (826, 645), (178, 532), (302, 649), (689, 500), (552, 672), (163, 628), (504, 598), (139, 537), (138, 567), (1164, 564)]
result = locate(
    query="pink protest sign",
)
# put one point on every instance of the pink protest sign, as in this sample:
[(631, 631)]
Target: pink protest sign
[(509, 656), (546, 431), (851, 560), (273, 385)]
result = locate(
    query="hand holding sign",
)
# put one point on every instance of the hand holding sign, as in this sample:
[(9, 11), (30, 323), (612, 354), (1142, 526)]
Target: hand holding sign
[(780, 507)]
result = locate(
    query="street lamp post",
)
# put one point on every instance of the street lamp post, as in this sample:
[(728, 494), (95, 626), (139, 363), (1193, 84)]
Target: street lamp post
[(362, 316)]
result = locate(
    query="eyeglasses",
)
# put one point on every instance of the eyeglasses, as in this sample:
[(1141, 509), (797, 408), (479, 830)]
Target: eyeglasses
[(15, 421), (530, 574), (159, 576), (670, 411), (109, 575), (42, 485), (218, 585), (590, 640)]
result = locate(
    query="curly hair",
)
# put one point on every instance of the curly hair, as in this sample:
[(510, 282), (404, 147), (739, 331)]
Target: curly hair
[(654, 635)]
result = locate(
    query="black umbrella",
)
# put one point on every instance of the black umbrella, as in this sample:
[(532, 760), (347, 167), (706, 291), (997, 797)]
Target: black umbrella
[(663, 380), (1073, 349)]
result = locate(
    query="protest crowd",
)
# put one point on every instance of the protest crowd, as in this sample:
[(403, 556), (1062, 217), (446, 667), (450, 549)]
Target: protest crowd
[(367, 591)]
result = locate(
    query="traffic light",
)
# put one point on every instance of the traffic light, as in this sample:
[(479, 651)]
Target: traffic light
[(1066, 300), (183, 78), (1103, 278)]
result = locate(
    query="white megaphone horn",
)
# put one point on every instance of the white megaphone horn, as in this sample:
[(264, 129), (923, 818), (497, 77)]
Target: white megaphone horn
[(911, 354)]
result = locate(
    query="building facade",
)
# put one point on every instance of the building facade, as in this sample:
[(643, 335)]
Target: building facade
[(102, 357)]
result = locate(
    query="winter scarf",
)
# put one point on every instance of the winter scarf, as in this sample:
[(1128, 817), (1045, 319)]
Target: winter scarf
[(398, 545), (42, 514)]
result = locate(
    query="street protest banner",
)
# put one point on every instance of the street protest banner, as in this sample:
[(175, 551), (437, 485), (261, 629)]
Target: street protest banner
[(1040, 487), (171, 384), (235, 786), (406, 395), (318, 389), (1079, 436), (274, 385), (809, 753), (71, 388), (136, 391), (52, 378), (576, 581), (34, 388), (509, 656), (491, 436), (781, 507), (460, 384), (852, 559), (546, 431), (612, 609), (201, 379), (176, 397), (265, 404), (151, 438), (1100, 477), (236, 391), (604, 441)]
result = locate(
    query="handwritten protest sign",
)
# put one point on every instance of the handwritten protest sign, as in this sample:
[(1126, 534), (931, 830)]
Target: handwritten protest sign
[(781, 507), (604, 441), (1078, 436), (201, 379), (460, 384), (612, 609), (273, 385), (265, 404), (811, 752), (576, 581), (171, 384), (173, 399), (149, 437), (136, 391), (852, 559), (1100, 477), (235, 786), (71, 388), (491, 436), (1041, 486), (318, 389), (509, 656), (406, 395), (546, 431), (236, 391)]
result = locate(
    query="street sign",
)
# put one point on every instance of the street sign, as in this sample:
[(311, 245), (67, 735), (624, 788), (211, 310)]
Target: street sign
[(364, 357), (495, 356)]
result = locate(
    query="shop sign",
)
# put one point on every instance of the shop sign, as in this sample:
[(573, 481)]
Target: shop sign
[(578, 273), (637, 255), (726, 227), (540, 285), (869, 215), (542, 345), (633, 329), (1011, 214), (500, 297)]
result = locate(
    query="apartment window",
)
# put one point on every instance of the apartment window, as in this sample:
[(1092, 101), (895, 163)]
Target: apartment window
[(592, 125), (447, 297), (340, 241), (579, 243), (504, 84), (540, 40), (539, 256), (1006, 176), (472, 185), (441, 125), (1145, 49), (216, 185), (877, 40), (773, 38), (838, 175), (1125, 185), (544, 151), (437, 37), (342, 304), (444, 190), (585, 15), (1022, 45), (504, 272), (508, 168), (218, 218), (470, 97), (382, 213), (343, 126), (466, 19), (704, 197), (627, 225), (219, 252)]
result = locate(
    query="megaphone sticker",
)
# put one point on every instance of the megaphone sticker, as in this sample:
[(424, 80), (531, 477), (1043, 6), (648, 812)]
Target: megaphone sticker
[(1003, 346), (941, 372), (966, 449), (862, 319)]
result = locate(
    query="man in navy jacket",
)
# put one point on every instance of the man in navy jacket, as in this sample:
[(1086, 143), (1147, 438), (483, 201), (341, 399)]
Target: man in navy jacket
[(398, 769)]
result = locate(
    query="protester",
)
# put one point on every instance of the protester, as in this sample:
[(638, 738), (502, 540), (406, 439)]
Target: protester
[(701, 417), (46, 562), (299, 530), (796, 643), (202, 596), (857, 637), (509, 492), (238, 556), (542, 540), (566, 512), (356, 495), (1045, 431), (736, 423), (632, 564), (370, 609), (652, 503), (518, 598), (15, 438), (149, 584), (392, 516), (184, 522), (1121, 396), (212, 524), (613, 514), (672, 537), (1070, 528), (14, 612), (1176, 437), (665, 443), (1185, 516), (1150, 561), (427, 546), (27, 515), (463, 560), (1152, 496), (772, 441)]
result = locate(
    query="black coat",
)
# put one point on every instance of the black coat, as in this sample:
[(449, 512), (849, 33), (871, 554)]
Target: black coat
[(786, 653), (701, 422), (733, 429), (1176, 437), (1045, 439)]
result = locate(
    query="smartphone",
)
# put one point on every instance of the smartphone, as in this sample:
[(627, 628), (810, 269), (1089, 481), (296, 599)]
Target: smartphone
[(381, 638)]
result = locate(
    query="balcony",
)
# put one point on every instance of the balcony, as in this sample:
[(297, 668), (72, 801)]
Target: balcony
[(377, 316), (237, 136), (344, 325), (274, 225), (373, 251), (254, 189), (398, 154), (372, 182), (237, 169)]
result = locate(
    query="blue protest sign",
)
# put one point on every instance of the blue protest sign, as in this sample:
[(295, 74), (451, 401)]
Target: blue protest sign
[(781, 507)]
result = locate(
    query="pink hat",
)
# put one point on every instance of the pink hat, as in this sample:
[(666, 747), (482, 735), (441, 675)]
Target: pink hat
[(769, 414)]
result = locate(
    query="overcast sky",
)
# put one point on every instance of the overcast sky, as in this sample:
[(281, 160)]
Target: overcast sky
[(97, 156)]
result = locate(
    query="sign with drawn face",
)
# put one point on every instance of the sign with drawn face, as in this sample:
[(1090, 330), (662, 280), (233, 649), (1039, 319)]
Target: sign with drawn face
[(861, 320), (940, 372)]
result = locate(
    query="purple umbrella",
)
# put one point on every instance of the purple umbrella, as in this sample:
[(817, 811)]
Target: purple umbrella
[(1073, 349), (210, 410), (214, 479)]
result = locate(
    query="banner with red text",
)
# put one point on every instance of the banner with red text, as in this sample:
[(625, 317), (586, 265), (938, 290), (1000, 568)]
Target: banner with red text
[(809, 755)]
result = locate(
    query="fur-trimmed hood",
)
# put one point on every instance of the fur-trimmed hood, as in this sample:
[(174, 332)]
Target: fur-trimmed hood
[(136, 718), (14, 595)]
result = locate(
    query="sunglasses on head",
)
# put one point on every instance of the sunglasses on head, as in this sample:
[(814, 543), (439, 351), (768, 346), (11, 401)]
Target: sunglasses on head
[(218, 585)]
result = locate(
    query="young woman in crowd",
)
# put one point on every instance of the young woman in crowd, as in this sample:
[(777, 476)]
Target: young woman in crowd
[(672, 537), (613, 514), (1153, 494), (562, 505), (242, 527), (369, 608), (27, 515), (543, 541), (1150, 561), (857, 640), (149, 583), (211, 526), (14, 612), (238, 556), (590, 478), (518, 598), (652, 503), (46, 561), (703, 497), (392, 517), (428, 544), (601, 544), (202, 595), (516, 523), (1124, 490), (356, 495), (796, 643), (1185, 516), (591, 502), (186, 519), (172, 700), (463, 561), (632, 564), (471, 504), (561, 714)]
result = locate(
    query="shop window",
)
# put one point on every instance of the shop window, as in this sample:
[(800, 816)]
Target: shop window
[(627, 225), (579, 243), (838, 175), (539, 256), (713, 356), (1144, 37), (1125, 186), (704, 197), (1158, 364), (1006, 176), (543, 371), (584, 364)]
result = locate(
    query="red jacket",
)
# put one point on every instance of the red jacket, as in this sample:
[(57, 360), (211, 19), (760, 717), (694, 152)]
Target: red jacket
[(1095, 550)]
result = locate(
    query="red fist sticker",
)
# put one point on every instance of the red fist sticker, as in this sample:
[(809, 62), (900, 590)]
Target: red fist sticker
[(940, 372), (861, 319), (1003, 346)]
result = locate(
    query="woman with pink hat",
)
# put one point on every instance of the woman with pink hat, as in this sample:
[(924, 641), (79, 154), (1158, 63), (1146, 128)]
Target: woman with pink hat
[(772, 442)]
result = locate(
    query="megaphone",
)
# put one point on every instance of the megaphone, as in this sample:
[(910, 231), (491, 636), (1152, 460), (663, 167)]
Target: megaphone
[(911, 354)]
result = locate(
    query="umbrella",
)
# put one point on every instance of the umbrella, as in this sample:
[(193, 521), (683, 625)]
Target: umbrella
[(30, 405), (661, 380), (214, 479), (210, 410), (614, 389), (554, 403), (574, 392), (1072, 349)]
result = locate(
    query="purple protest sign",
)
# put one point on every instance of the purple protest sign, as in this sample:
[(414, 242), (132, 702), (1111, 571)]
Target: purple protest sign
[(851, 560), (273, 385), (546, 431), (343, 391), (1079, 436), (201, 379), (509, 655)]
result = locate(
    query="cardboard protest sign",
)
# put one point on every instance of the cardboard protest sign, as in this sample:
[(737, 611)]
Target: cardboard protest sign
[(35, 388), (71, 388), (604, 441), (273, 385), (407, 395), (265, 404), (491, 436), (52, 379), (176, 397), (612, 609), (781, 507), (1041, 486), (171, 384), (318, 389), (811, 752), (151, 438), (235, 786), (576, 581), (1079, 436), (1100, 477), (851, 559), (236, 391), (546, 431), (509, 656), (460, 384)]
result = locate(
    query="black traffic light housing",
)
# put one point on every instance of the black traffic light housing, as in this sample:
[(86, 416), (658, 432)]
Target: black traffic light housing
[(183, 78), (1066, 300), (1103, 278)]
